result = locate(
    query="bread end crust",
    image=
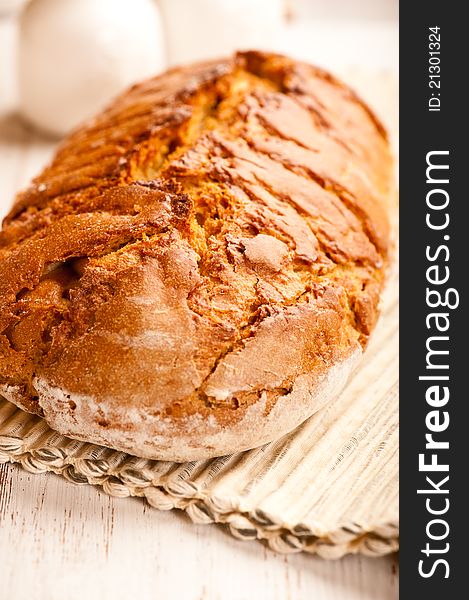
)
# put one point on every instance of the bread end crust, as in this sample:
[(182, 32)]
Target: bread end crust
[(192, 437)]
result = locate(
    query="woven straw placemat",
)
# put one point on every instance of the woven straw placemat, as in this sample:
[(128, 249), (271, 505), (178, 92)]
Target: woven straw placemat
[(330, 487)]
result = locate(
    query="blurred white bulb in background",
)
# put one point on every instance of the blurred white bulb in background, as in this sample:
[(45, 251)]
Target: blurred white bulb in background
[(74, 55), (200, 29)]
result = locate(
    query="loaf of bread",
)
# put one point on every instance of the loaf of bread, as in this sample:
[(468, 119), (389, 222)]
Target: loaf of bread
[(199, 268)]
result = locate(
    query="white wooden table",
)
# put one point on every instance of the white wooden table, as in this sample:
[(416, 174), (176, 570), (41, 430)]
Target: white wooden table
[(60, 541), (63, 542)]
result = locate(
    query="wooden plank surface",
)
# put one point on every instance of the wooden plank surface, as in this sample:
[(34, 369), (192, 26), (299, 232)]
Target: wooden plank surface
[(60, 541)]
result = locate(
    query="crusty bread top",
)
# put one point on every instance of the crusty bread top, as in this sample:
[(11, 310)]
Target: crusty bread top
[(216, 232)]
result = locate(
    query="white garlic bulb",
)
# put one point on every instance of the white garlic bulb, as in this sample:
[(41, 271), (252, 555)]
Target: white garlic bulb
[(74, 55)]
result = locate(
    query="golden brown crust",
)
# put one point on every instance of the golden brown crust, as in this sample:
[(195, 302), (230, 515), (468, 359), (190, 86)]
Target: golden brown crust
[(213, 237)]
